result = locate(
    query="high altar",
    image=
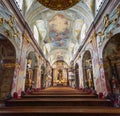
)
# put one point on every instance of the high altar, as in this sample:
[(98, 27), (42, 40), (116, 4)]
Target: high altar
[(60, 76)]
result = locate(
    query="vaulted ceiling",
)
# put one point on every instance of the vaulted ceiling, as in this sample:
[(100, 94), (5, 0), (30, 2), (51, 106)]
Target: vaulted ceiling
[(59, 32)]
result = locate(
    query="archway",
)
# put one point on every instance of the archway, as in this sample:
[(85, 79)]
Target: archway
[(76, 75), (111, 62), (60, 73), (31, 71), (88, 71), (7, 66)]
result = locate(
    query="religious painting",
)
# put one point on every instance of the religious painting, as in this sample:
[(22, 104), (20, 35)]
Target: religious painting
[(59, 30)]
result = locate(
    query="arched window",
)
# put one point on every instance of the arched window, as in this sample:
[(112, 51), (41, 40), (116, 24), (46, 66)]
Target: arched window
[(83, 32), (36, 33), (29, 3), (19, 3), (98, 4), (41, 27)]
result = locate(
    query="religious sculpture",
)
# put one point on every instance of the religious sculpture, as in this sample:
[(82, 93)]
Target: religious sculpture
[(89, 74), (29, 76), (28, 82), (60, 75), (11, 21), (90, 82)]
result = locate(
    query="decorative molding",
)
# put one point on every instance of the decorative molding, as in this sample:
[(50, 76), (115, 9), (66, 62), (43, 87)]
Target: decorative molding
[(25, 37), (12, 32), (11, 65), (93, 37), (8, 33), (116, 19)]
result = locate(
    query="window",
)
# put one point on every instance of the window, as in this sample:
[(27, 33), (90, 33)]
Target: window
[(83, 32), (19, 3), (98, 4), (36, 33)]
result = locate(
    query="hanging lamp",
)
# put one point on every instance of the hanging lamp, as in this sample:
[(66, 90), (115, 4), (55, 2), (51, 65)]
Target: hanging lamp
[(58, 4)]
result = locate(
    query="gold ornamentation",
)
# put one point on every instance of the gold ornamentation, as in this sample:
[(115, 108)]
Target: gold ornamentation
[(16, 34), (58, 4), (100, 33), (93, 37), (8, 33), (11, 65), (90, 40), (11, 21), (26, 38), (2, 20), (107, 22), (116, 19)]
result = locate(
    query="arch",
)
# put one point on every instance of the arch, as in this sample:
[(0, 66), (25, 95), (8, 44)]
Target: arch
[(12, 42), (7, 66), (31, 71), (111, 59), (60, 61), (60, 73), (88, 70), (76, 75)]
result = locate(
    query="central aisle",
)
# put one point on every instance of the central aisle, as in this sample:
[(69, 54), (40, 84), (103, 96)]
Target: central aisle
[(61, 89)]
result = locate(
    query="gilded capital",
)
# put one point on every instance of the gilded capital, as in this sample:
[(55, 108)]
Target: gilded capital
[(2, 20), (26, 37), (8, 33)]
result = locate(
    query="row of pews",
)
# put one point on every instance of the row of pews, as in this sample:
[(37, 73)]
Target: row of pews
[(59, 101)]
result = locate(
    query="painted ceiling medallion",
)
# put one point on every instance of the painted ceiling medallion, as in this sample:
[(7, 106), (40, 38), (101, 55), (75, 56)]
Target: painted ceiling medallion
[(58, 4)]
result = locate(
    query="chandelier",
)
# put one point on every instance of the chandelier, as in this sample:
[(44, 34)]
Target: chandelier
[(58, 4)]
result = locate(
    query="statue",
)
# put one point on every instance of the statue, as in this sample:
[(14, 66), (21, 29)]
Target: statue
[(60, 74), (28, 81), (90, 82), (29, 76)]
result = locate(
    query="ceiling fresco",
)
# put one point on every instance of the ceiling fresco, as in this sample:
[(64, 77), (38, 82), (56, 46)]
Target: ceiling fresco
[(59, 32)]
